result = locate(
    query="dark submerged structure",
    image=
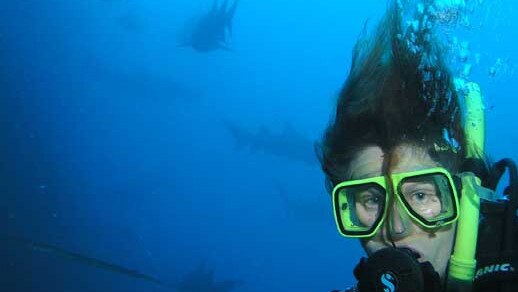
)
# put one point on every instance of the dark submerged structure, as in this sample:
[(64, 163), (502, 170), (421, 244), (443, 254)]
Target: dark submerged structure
[(213, 30)]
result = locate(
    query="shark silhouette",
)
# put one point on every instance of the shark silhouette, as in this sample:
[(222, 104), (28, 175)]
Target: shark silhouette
[(202, 280), (87, 260), (289, 143), (198, 280), (213, 30)]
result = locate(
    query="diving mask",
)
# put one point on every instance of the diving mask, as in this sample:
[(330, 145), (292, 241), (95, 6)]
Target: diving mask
[(428, 196)]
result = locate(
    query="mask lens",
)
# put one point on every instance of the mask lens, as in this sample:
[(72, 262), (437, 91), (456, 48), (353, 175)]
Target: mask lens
[(429, 198), (360, 208)]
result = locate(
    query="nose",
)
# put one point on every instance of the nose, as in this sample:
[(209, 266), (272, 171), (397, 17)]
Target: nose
[(397, 223)]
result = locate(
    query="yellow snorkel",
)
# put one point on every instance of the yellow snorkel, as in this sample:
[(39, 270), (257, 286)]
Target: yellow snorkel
[(462, 262)]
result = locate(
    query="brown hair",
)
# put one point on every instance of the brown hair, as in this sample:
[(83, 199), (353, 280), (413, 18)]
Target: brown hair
[(399, 91)]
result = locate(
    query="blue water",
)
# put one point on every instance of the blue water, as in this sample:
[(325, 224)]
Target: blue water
[(115, 144)]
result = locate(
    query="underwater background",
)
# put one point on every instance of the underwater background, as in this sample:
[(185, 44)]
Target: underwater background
[(134, 160)]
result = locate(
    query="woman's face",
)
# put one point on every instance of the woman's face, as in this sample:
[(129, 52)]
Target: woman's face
[(433, 247)]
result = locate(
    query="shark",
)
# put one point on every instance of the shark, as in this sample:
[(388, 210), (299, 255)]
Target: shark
[(197, 280), (288, 143), (213, 30), (84, 259), (202, 279)]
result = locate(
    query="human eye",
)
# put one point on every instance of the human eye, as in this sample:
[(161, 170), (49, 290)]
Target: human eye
[(421, 197), (425, 203), (420, 193), (371, 199)]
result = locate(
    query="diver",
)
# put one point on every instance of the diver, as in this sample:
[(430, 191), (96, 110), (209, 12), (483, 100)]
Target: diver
[(405, 165)]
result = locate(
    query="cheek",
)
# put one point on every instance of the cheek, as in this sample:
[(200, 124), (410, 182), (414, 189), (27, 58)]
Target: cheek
[(438, 249), (431, 212), (433, 209), (435, 246), (365, 218), (436, 207)]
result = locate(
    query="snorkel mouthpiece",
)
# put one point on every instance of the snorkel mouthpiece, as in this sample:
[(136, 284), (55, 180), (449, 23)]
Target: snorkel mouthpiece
[(396, 270)]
